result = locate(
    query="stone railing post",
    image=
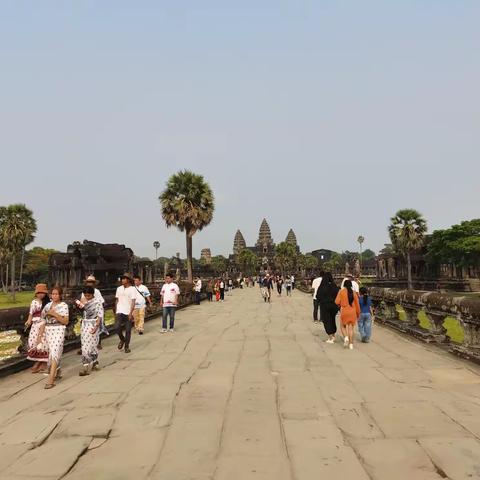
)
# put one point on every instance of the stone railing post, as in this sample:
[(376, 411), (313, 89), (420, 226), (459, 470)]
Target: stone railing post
[(438, 330)]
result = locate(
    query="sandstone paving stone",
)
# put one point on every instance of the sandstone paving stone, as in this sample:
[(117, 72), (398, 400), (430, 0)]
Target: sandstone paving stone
[(355, 421), (406, 376), (54, 458), (10, 453), (456, 458), (87, 422), (452, 376), (396, 459)]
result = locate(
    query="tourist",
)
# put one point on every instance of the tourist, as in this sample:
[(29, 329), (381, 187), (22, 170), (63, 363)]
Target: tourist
[(316, 305), (209, 290), (91, 281), (279, 285), (326, 295), (230, 286), (197, 288), (288, 285), (90, 330), (222, 290), (37, 348), (55, 315), (142, 297), (366, 315), (217, 290), (355, 285), (349, 305), (125, 298), (293, 282), (169, 302)]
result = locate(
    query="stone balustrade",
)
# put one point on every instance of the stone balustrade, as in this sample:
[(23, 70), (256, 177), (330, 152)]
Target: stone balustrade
[(13, 319)]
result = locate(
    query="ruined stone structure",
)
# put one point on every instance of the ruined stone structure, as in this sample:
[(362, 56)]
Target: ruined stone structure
[(206, 255)]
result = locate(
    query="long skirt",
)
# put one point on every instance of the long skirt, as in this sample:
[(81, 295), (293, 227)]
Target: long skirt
[(328, 313), (55, 336), (37, 354), (89, 342)]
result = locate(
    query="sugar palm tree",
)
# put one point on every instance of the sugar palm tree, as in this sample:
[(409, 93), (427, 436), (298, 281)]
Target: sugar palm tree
[(285, 256), (188, 204), (17, 229), (407, 231)]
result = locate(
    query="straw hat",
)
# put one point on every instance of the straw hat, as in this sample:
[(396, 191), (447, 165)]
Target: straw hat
[(41, 288), (91, 279), (127, 275)]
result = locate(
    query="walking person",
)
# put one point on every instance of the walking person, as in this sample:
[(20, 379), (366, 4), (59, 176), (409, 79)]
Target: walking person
[(221, 286), (56, 318), (293, 282), (142, 297), (169, 302), (355, 285), (37, 347), (349, 305), (316, 304), (197, 288), (366, 316), (230, 286), (326, 295), (90, 330), (216, 289), (209, 290), (91, 281), (125, 298), (279, 286), (288, 286)]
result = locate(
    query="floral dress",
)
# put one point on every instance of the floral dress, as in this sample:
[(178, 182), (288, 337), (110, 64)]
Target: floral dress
[(40, 353), (55, 331), (91, 311)]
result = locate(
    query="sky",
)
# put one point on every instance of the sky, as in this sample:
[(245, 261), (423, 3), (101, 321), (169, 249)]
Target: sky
[(325, 116)]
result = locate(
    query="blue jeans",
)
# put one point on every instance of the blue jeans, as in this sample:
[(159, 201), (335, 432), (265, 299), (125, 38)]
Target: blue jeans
[(168, 312), (365, 326)]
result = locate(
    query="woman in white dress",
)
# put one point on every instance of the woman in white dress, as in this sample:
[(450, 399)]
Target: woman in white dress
[(56, 319), (37, 348)]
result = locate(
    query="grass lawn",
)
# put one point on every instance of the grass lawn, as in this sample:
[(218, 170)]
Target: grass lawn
[(22, 299)]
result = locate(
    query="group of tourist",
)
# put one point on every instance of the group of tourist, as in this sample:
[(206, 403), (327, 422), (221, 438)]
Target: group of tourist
[(216, 288), (352, 302), (49, 316), (269, 282)]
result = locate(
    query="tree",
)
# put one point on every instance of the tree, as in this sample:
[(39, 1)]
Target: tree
[(36, 264), (335, 263), (285, 256), (17, 229), (248, 261), (368, 255), (188, 204), (407, 231), (458, 245), (219, 264)]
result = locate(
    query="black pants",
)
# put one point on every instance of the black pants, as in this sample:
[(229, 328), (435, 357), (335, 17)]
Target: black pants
[(210, 296), (316, 308), (328, 312), (122, 320), (197, 298), (222, 294), (279, 288)]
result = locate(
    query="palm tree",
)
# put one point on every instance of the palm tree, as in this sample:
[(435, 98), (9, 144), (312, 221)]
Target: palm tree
[(285, 256), (248, 261), (188, 204), (407, 231), (17, 229)]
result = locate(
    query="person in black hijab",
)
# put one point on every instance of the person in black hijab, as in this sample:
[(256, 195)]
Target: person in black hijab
[(326, 295)]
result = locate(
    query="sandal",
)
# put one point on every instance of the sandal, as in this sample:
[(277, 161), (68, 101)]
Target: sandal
[(48, 386), (58, 373)]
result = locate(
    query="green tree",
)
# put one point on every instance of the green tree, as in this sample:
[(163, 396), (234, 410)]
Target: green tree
[(219, 264), (285, 256), (335, 263), (17, 229), (188, 204), (368, 255), (248, 261), (458, 245), (407, 232), (36, 264)]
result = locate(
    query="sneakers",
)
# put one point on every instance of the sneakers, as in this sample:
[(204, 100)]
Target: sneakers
[(164, 330), (330, 340), (350, 346), (345, 342), (171, 330), (127, 350)]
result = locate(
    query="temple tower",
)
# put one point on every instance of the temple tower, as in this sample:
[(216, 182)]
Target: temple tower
[(264, 235), (292, 238), (239, 243)]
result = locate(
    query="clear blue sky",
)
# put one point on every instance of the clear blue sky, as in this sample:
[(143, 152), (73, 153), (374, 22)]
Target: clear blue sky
[(324, 116)]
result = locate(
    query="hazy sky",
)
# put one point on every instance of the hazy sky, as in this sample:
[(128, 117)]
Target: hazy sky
[(324, 116)]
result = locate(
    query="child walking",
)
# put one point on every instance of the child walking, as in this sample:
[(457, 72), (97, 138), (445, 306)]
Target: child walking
[(349, 305), (366, 315)]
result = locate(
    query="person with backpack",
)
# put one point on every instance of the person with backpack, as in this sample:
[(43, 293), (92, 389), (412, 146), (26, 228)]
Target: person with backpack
[(349, 305), (366, 315)]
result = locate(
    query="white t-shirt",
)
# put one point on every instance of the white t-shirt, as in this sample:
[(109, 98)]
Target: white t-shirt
[(222, 285), (142, 292), (355, 286), (198, 286), (125, 297), (169, 294), (315, 284)]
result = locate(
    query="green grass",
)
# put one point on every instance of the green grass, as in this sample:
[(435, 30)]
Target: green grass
[(451, 324), (23, 299)]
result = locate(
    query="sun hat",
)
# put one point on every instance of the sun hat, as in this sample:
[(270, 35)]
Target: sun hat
[(91, 279), (127, 275), (41, 288)]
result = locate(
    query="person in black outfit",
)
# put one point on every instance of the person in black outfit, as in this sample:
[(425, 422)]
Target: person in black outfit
[(326, 295)]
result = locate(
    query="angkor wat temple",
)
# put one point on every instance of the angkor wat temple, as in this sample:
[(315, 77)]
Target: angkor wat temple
[(265, 246)]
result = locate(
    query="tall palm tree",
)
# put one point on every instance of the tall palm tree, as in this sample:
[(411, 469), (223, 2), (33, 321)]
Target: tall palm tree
[(188, 204), (17, 229), (407, 231), (285, 256)]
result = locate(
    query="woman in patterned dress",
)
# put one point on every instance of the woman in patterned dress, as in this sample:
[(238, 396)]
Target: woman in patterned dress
[(56, 318), (91, 323), (37, 349)]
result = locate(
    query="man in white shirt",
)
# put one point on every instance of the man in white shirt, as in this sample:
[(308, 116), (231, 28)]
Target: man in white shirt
[(124, 306), (222, 290), (316, 304), (142, 297), (355, 285), (198, 290), (169, 301)]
